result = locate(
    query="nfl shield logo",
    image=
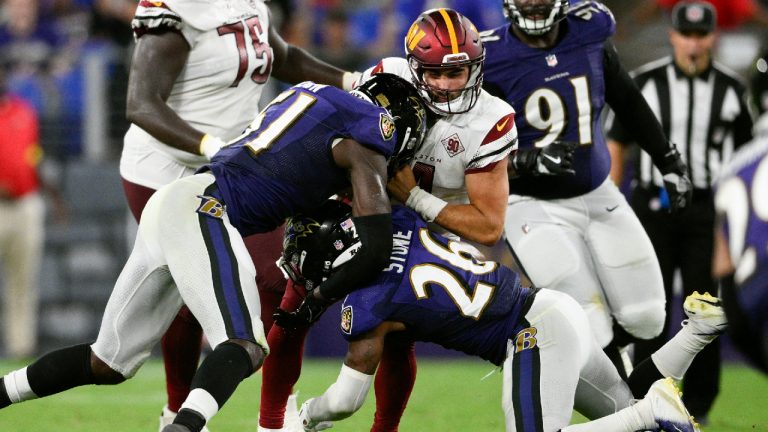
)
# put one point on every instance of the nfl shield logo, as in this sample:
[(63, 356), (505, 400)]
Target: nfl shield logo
[(338, 244), (346, 320), (551, 60)]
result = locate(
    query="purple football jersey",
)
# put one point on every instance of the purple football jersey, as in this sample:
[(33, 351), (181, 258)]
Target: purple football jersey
[(742, 196), (558, 95), (283, 163), (440, 293)]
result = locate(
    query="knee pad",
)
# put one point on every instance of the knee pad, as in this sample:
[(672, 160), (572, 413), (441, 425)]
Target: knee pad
[(642, 320), (546, 258)]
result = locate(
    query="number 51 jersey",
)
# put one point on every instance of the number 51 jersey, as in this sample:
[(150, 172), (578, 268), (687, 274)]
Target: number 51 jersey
[(441, 293), (283, 164)]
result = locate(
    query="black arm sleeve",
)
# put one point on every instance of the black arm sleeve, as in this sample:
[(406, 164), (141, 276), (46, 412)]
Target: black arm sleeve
[(631, 109), (375, 234)]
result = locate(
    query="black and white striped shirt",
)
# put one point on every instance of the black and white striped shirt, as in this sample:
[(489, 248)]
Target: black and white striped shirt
[(705, 116)]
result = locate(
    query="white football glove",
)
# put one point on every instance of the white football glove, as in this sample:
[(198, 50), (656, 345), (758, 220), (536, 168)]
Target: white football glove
[(210, 145)]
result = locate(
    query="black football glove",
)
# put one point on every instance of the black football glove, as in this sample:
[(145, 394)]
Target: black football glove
[(554, 159), (676, 181), (305, 315)]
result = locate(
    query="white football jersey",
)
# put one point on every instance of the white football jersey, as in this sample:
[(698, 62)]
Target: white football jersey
[(220, 85), (458, 144)]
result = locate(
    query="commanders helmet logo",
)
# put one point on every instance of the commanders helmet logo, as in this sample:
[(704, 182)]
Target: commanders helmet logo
[(387, 126), (346, 319)]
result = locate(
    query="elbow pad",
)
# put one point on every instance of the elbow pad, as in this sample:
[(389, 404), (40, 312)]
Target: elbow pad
[(375, 233)]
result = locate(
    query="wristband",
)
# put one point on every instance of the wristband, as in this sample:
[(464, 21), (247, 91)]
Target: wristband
[(209, 145), (425, 204), (350, 80)]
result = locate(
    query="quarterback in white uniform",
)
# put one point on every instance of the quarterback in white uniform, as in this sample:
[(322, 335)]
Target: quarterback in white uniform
[(457, 179), (197, 74)]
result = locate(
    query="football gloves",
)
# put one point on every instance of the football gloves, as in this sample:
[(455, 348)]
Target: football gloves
[(309, 311), (554, 159), (676, 181)]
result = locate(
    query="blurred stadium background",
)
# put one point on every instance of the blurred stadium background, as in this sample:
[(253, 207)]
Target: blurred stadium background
[(70, 60)]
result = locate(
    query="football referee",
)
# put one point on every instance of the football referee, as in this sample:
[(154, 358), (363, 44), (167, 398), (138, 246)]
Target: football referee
[(702, 108)]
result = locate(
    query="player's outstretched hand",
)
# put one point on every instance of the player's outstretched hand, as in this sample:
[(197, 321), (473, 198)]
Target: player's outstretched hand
[(305, 315)]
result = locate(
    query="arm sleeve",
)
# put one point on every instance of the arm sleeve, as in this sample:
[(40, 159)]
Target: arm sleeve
[(632, 111), (375, 234), (742, 125)]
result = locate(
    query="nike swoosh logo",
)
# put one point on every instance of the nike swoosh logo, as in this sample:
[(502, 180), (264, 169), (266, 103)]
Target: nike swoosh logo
[(502, 125), (610, 209), (553, 159)]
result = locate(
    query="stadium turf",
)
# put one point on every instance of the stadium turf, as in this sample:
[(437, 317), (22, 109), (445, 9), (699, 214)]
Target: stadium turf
[(450, 395)]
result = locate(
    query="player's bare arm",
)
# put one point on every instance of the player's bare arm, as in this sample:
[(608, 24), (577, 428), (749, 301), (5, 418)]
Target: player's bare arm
[(157, 62), (482, 220)]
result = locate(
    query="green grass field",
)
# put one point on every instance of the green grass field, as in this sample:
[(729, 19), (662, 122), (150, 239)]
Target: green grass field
[(450, 395)]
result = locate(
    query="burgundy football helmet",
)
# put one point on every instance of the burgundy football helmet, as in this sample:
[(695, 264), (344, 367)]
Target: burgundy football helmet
[(445, 39)]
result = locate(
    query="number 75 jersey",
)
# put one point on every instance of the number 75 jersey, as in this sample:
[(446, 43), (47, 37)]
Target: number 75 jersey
[(230, 60), (558, 94)]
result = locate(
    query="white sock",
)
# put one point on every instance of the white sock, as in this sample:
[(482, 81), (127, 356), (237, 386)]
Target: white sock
[(201, 402), (674, 358), (629, 419), (17, 386)]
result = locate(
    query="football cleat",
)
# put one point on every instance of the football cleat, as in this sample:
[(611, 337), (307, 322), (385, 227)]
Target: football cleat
[(175, 428), (166, 419), (291, 422), (669, 412), (308, 424), (706, 316)]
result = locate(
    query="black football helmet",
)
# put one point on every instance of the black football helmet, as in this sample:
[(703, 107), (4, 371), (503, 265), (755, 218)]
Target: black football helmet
[(525, 18), (400, 99), (316, 244)]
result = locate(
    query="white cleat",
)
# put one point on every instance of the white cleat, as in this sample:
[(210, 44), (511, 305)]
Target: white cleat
[(311, 425), (291, 422), (166, 419), (706, 316), (668, 408)]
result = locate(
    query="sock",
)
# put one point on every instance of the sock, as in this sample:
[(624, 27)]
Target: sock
[(642, 378), (220, 374), (282, 367), (674, 357), (269, 300), (181, 354), (613, 352), (14, 388), (394, 382), (191, 419), (629, 419), (60, 370)]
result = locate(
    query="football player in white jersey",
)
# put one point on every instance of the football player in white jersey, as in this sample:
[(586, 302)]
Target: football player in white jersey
[(197, 74), (457, 179)]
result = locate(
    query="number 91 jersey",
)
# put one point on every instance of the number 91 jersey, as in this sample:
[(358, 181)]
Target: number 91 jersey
[(229, 62), (441, 293), (558, 94)]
